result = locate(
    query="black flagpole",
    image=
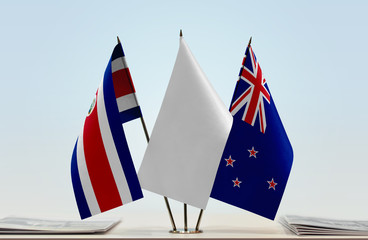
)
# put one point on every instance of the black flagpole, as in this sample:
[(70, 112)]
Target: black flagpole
[(165, 198), (199, 220), (147, 138), (185, 205), (185, 218), (236, 86)]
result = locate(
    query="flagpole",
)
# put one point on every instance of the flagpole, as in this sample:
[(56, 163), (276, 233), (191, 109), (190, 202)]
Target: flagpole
[(147, 138), (236, 87), (199, 220), (185, 205), (185, 218), (165, 198)]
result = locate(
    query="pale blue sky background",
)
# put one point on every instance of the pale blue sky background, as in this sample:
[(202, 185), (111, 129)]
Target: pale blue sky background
[(313, 55)]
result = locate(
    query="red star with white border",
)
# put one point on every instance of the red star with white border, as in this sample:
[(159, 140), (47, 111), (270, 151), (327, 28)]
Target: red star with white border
[(229, 161), (272, 184), (252, 152), (237, 183)]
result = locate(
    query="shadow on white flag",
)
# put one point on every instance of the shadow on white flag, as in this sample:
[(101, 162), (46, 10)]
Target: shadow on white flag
[(188, 138)]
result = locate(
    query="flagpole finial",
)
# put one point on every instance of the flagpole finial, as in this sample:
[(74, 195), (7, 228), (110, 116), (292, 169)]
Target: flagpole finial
[(118, 39), (250, 41), (181, 33)]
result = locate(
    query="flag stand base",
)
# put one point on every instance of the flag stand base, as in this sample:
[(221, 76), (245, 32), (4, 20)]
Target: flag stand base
[(182, 231), (186, 230)]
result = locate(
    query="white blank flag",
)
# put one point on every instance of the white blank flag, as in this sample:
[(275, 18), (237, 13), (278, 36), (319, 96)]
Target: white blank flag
[(188, 138)]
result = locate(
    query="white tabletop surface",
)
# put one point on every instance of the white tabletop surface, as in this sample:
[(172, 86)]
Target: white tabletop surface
[(214, 226)]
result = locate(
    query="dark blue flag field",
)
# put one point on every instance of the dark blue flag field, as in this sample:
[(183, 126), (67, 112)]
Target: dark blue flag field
[(258, 156)]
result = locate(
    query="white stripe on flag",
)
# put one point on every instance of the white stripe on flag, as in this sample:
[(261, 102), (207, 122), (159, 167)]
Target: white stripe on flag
[(127, 102), (242, 103), (118, 64), (84, 178), (110, 148)]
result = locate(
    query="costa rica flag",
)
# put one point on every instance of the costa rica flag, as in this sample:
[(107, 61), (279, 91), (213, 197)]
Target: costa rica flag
[(102, 170)]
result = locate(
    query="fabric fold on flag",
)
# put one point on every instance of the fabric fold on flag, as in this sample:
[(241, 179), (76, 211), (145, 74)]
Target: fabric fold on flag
[(188, 138), (102, 170), (257, 159)]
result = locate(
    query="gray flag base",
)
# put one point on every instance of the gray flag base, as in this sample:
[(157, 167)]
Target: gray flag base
[(186, 230), (182, 231)]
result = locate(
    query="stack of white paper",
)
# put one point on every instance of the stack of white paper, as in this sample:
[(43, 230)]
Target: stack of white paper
[(43, 226), (322, 226)]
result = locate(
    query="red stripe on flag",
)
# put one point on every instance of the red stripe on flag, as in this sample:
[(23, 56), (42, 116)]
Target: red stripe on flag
[(261, 117), (244, 60), (98, 166), (123, 83)]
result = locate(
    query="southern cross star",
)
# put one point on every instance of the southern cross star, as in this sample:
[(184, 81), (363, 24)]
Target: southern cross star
[(252, 152), (237, 183), (272, 184), (229, 161)]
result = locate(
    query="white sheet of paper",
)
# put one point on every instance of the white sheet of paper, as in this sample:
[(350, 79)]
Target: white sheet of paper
[(302, 225), (37, 225)]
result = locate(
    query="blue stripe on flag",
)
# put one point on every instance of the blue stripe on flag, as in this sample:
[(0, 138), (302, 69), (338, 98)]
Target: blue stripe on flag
[(130, 114), (240, 72), (77, 185), (119, 136)]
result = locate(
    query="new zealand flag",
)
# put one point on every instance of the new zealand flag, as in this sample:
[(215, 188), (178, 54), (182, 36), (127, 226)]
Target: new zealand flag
[(258, 156)]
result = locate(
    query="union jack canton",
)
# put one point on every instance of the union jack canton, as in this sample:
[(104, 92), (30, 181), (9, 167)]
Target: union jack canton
[(254, 95)]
